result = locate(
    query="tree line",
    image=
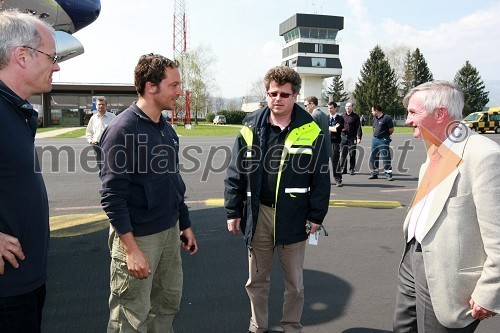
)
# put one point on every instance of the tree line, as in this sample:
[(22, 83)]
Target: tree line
[(384, 84), (385, 78)]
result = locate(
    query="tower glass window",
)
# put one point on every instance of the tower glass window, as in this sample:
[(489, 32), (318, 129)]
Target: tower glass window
[(318, 62)]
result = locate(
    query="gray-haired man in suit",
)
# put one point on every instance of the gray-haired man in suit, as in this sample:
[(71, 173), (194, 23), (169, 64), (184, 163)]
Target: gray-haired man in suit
[(449, 277)]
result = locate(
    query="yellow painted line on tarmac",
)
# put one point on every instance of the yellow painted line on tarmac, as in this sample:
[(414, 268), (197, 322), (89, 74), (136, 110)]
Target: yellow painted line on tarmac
[(82, 224), (77, 224), (366, 204), (333, 203), (214, 202)]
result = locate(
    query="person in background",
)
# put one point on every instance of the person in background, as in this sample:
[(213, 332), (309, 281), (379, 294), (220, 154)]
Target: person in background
[(321, 119), (143, 196), (351, 136), (28, 58), (449, 276), (96, 126), (277, 189), (382, 130), (336, 125)]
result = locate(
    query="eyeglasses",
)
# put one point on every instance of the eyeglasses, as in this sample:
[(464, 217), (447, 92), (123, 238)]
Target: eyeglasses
[(275, 94), (54, 57)]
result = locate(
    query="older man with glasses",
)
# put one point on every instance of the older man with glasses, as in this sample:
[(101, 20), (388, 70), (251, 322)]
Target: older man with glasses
[(277, 190), (27, 61)]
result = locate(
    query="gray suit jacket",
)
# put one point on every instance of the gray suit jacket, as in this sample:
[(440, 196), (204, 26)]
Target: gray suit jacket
[(461, 244), (323, 122)]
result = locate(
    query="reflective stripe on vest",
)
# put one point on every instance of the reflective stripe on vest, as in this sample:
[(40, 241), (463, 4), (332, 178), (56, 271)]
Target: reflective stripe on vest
[(300, 150), (247, 135), (304, 135), (296, 189)]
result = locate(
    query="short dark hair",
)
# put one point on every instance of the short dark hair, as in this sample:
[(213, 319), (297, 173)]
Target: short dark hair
[(312, 99), (282, 75), (332, 103), (151, 68), (377, 107)]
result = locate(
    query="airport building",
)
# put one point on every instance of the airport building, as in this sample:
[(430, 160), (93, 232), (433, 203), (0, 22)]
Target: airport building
[(311, 48), (72, 104)]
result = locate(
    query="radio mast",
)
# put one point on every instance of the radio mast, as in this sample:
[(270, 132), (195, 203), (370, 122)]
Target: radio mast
[(182, 56)]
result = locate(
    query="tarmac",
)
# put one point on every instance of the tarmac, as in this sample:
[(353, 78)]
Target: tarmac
[(349, 277)]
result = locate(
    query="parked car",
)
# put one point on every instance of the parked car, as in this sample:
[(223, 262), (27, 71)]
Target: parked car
[(220, 120), (483, 121)]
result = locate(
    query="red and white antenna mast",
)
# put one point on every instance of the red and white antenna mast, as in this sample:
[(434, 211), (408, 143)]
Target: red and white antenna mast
[(181, 55)]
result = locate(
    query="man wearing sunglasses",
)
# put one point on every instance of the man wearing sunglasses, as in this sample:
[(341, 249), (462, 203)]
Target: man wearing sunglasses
[(27, 61), (277, 185)]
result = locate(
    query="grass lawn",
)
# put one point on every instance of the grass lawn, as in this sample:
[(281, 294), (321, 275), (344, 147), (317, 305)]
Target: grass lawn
[(397, 130), (204, 129), (46, 129), (73, 134)]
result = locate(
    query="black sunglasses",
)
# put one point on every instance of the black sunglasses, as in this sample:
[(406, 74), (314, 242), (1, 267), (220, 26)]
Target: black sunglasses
[(275, 94)]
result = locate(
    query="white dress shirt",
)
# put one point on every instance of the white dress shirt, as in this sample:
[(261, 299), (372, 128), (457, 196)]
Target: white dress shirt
[(96, 126), (420, 213)]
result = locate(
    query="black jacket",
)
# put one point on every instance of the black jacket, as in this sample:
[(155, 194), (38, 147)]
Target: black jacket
[(24, 208), (352, 126), (303, 191), (335, 136)]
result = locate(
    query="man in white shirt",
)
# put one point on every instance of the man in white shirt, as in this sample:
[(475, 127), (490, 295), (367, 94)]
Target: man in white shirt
[(96, 126)]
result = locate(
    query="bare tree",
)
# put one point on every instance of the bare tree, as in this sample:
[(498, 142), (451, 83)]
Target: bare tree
[(218, 103), (200, 79), (396, 55), (257, 91), (234, 104)]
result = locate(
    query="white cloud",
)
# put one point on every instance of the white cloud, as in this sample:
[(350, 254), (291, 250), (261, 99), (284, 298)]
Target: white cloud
[(243, 36), (447, 46)]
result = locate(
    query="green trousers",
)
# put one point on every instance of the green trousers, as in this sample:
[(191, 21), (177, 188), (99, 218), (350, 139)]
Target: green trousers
[(146, 305)]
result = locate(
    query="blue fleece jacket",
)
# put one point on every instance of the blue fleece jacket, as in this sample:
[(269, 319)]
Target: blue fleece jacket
[(24, 208), (142, 189)]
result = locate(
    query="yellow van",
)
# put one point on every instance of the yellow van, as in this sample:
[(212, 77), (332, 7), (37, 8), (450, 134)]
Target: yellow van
[(484, 121)]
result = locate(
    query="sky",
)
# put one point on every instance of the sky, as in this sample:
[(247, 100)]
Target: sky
[(243, 37)]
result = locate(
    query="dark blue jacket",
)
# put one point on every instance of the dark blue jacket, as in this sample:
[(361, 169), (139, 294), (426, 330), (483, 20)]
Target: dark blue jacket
[(24, 208), (142, 189)]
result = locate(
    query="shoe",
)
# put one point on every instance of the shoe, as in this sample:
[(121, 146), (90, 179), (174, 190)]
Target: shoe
[(351, 172), (389, 177), (339, 184), (344, 172), (373, 177)]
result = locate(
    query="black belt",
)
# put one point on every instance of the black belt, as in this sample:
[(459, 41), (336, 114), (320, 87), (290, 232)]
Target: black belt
[(268, 203), (380, 137)]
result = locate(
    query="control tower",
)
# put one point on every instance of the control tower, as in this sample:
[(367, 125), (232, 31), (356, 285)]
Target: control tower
[(312, 50)]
